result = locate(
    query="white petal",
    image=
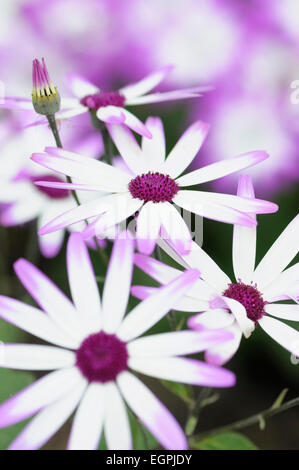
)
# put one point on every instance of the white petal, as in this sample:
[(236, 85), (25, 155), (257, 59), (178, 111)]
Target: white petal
[(209, 270), (35, 322), (151, 412), (212, 319), (186, 304), (193, 202), (152, 309), (244, 238), (116, 425), (180, 369), (80, 86), (148, 226), (247, 326), (283, 250), (154, 149), (88, 422), (117, 283), (135, 124), (35, 357), (83, 285), (84, 168), (283, 334), (161, 272), (146, 84), (175, 228), (111, 114), (283, 311), (176, 343), (221, 354), (49, 297), (222, 168), (41, 393), (113, 209), (186, 149), (283, 283), (128, 148), (42, 427)]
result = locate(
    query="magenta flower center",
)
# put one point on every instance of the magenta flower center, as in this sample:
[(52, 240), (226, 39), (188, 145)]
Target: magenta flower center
[(249, 297), (101, 357), (103, 98), (154, 187), (53, 193)]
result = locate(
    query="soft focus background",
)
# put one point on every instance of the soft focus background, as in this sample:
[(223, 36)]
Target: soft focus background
[(246, 49)]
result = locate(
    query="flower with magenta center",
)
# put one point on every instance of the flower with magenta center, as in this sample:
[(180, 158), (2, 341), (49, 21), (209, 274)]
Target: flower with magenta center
[(110, 106), (151, 185), (96, 348), (239, 306)]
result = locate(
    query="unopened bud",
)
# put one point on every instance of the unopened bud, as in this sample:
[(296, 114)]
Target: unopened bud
[(45, 97)]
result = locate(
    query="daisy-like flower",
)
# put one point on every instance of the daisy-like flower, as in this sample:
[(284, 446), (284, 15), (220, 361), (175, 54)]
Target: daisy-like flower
[(95, 349), (152, 186), (239, 305), (110, 106)]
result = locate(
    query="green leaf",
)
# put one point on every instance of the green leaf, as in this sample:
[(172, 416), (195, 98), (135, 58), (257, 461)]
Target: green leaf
[(11, 383), (226, 441), (181, 390), (142, 438)]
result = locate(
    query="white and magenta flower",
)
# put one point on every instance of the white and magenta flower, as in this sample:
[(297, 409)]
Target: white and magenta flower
[(95, 349), (110, 106), (239, 305), (152, 186)]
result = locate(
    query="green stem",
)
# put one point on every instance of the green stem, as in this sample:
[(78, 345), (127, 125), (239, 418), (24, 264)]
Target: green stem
[(195, 409), (244, 423), (54, 129)]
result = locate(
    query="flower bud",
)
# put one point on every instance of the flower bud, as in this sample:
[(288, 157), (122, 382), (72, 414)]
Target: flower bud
[(45, 97)]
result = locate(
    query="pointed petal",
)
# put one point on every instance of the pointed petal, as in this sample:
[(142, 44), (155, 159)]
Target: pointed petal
[(211, 319), (148, 227), (111, 114), (283, 311), (151, 310), (186, 304), (175, 228), (80, 86), (146, 84), (154, 149), (83, 285), (283, 334), (186, 149), (222, 353), (162, 97), (176, 343), (35, 322), (151, 412), (49, 297), (211, 210), (44, 425), (85, 169), (35, 357), (117, 283), (283, 250), (117, 426), (41, 393), (88, 422), (128, 148), (244, 238), (180, 369), (247, 326), (222, 168)]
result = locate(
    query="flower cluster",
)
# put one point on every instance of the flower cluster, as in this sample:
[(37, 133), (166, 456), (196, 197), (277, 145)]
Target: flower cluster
[(137, 201)]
